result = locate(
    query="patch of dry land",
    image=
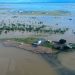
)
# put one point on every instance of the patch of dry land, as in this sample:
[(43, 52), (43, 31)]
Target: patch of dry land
[(28, 47)]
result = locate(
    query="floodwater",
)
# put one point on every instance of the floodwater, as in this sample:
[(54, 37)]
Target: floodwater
[(67, 60), (38, 6), (51, 21), (15, 61)]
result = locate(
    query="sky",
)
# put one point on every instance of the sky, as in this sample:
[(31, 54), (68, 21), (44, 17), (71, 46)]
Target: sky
[(55, 1)]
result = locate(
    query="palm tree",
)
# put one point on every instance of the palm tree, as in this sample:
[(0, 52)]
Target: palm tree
[(30, 28)]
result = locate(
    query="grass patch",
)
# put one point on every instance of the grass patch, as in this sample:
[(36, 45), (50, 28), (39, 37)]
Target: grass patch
[(28, 40), (47, 44)]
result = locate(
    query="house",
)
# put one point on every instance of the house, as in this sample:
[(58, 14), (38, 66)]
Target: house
[(61, 45)]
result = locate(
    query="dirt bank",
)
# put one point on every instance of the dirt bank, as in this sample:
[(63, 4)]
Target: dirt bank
[(28, 47)]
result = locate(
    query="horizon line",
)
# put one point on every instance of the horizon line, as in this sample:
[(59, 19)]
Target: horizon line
[(32, 2)]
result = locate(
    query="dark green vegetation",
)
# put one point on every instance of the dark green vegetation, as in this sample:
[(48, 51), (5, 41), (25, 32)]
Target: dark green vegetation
[(48, 44), (41, 28), (55, 46)]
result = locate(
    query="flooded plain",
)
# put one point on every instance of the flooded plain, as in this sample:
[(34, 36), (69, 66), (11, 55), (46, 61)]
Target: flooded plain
[(54, 22), (15, 61), (67, 60)]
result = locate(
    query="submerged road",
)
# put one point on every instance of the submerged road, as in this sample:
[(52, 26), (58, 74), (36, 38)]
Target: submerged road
[(14, 61)]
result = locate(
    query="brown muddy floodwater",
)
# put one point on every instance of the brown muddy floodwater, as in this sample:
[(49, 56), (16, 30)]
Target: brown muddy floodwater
[(14, 61), (67, 60)]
